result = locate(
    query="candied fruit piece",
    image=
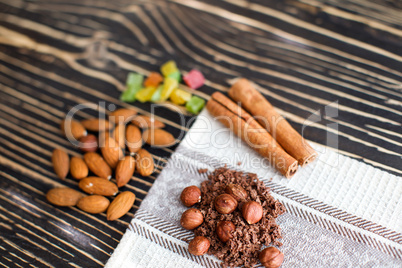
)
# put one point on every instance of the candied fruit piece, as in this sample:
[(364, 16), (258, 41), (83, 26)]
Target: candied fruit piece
[(176, 76), (133, 85), (157, 94), (145, 94), (169, 85), (180, 96), (194, 79), (153, 80), (168, 68), (195, 104)]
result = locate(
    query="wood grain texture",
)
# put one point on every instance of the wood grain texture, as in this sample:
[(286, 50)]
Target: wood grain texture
[(306, 56)]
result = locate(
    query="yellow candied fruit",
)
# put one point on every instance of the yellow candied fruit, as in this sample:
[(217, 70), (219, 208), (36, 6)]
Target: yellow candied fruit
[(169, 85), (145, 94), (180, 96), (168, 68)]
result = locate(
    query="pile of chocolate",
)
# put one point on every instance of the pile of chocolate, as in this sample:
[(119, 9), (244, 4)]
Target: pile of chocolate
[(233, 218)]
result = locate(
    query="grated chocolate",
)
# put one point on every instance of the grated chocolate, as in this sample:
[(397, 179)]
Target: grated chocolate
[(243, 248)]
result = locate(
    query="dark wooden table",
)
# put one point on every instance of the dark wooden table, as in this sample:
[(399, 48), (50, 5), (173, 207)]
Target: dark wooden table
[(307, 55)]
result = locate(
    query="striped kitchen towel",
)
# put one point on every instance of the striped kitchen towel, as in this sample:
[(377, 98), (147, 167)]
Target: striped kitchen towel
[(340, 212)]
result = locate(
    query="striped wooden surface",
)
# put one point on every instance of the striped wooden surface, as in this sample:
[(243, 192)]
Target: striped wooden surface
[(54, 55)]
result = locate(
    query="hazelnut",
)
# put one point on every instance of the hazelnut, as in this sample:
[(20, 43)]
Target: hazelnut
[(236, 191), (271, 257), (191, 219), (252, 212), (225, 203), (224, 230), (190, 195), (199, 245), (88, 143)]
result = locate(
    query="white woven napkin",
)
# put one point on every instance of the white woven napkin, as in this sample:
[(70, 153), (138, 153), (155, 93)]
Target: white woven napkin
[(340, 212)]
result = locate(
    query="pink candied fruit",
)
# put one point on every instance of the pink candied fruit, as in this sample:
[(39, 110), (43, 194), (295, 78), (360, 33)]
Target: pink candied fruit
[(194, 79)]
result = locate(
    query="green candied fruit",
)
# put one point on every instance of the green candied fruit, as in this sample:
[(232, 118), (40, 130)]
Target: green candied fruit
[(195, 104), (134, 79), (157, 94), (133, 85), (176, 76)]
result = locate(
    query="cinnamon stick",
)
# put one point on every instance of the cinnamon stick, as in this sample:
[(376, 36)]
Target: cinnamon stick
[(280, 129), (250, 131)]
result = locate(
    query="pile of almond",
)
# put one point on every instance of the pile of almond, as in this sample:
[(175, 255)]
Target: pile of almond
[(103, 155)]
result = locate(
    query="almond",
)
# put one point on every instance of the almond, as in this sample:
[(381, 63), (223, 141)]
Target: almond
[(111, 152), (78, 168), (88, 143), (158, 137), (144, 163), (96, 124), (72, 128), (97, 165), (143, 122), (63, 196), (120, 205), (119, 134), (121, 116), (102, 137), (124, 170), (93, 204), (61, 163), (99, 186), (133, 138)]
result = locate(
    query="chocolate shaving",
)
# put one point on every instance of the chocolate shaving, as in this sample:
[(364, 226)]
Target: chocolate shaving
[(247, 241), (203, 170)]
